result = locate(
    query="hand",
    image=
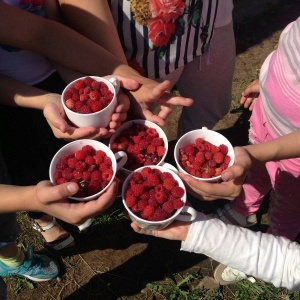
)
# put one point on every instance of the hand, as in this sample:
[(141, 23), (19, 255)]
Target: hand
[(250, 95), (57, 119), (152, 92), (231, 186), (177, 230), (53, 201)]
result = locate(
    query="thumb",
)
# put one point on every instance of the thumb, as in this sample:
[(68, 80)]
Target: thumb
[(49, 193)]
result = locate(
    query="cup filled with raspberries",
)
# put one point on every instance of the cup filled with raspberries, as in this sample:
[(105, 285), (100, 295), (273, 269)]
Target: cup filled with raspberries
[(144, 142), (89, 163), (90, 100), (204, 154), (154, 197)]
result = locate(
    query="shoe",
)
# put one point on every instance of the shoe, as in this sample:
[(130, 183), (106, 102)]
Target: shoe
[(35, 267), (61, 244), (86, 226), (226, 275), (229, 216)]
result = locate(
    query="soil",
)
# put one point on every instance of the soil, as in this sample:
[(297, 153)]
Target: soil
[(112, 262)]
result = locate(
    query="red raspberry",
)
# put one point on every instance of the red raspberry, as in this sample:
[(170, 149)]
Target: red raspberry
[(95, 106), (81, 166), (151, 132), (152, 180), (147, 211), (218, 157), (199, 141), (84, 110), (89, 160), (81, 155), (57, 175), (107, 175), (177, 203), (161, 150), (61, 180), (169, 183), (96, 175), (142, 204), (208, 155), (168, 207), (86, 175), (159, 214), (67, 173), (146, 172), (93, 187), (223, 148), (227, 159), (130, 201), (137, 177), (189, 149), (83, 97), (178, 192), (70, 104), (137, 189), (151, 149), (157, 141), (160, 196), (72, 162), (79, 84), (77, 174), (94, 95), (88, 81), (207, 146), (96, 85)]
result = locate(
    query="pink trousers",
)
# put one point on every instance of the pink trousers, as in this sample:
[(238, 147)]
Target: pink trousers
[(280, 178)]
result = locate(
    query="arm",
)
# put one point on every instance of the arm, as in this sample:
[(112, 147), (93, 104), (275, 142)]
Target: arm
[(272, 259), (285, 147), (53, 201), (42, 36), (15, 93)]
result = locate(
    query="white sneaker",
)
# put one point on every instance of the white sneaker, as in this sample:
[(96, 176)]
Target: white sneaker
[(226, 275), (229, 216), (84, 227)]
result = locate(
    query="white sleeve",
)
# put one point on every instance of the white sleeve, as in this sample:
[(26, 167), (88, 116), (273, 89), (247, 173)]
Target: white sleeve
[(270, 258)]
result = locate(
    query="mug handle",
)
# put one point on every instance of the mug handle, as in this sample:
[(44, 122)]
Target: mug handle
[(123, 159), (116, 83), (169, 166), (192, 214)]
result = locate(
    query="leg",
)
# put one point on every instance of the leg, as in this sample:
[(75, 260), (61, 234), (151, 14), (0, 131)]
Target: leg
[(284, 211), (201, 81)]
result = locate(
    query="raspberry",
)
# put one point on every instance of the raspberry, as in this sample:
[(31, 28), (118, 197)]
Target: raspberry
[(95, 106), (227, 159), (168, 207), (223, 149), (178, 192), (67, 173), (151, 149), (79, 84), (93, 187), (107, 175), (218, 157), (130, 201), (151, 132), (81, 154), (157, 141), (96, 175), (81, 166), (160, 196), (147, 211), (189, 149), (159, 214), (142, 204), (177, 203), (161, 150), (57, 175), (137, 189), (146, 172), (89, 160), (88, 81), (72, 162), (77, 174), (70, 104), (199, 141), (169, 183), (84, 110), (94, 95)]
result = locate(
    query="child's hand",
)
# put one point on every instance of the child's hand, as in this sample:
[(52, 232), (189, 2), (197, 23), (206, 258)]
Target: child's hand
[(178, 230), (152, 92), (231, 186), (250, 95), (57, 119), (53, 201)]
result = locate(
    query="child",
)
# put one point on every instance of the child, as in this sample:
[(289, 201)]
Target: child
[(275, 113), (270, 258)]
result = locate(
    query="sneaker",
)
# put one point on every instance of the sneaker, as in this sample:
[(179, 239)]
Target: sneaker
[(226, 275), (86, 226), (35, 267), (229, 216)]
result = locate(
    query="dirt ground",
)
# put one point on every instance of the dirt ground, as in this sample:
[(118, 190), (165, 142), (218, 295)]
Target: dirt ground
[(113, 262)]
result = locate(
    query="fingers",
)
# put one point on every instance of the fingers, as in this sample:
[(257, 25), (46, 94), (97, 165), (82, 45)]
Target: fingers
[(127, 83)]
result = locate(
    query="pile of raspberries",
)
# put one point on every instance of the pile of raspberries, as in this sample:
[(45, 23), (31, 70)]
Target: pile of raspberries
[(202, 159), (87, 96), (91, 169), (153, 195), (142, 145)]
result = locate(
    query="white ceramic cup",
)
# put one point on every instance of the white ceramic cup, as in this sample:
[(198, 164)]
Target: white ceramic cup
[(208, 135), (147, 123), (99, 119), (185, 213), (118, 160)]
